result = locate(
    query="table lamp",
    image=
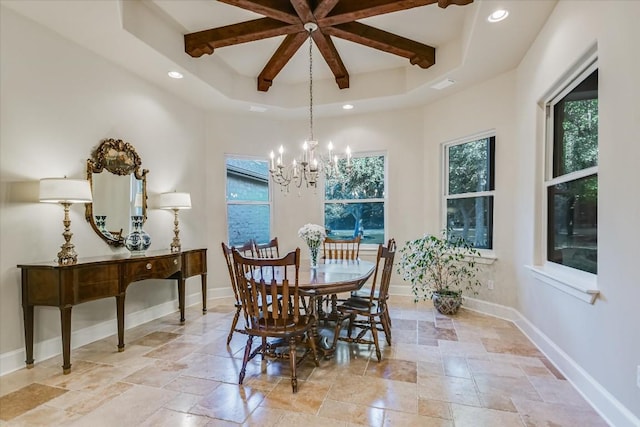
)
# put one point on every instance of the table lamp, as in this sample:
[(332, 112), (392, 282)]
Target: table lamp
[(175, 201), (66, 192)]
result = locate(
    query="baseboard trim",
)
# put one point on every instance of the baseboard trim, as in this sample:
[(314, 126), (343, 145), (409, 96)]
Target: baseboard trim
[(603, 402)]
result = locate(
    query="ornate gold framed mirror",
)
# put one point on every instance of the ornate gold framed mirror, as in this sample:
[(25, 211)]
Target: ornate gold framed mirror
[(119, 189)]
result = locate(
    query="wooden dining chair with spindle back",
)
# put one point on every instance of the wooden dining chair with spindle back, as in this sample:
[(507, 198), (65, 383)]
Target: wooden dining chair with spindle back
[(266, 250), (370, 314), (339, 249), (260, 279), (246, 249)]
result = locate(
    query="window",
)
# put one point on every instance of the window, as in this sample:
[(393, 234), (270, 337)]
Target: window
[(354, 201), (248, 200), (469, 189), (572, 174)]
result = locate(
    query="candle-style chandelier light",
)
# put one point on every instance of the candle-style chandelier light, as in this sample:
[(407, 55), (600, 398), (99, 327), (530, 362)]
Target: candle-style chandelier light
[(311, 164)]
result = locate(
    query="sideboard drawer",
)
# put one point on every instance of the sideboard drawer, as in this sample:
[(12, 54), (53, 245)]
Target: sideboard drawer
[(156, 268)]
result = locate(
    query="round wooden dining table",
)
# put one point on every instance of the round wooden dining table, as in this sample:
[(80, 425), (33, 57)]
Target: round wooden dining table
[(335, 276)]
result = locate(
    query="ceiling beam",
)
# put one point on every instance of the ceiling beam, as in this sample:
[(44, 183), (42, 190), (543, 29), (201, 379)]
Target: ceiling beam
[(201, 42), (324, 7), (351, 10), (279, 59), (276, 9), (303, 10), (418, 54), (332, 58)]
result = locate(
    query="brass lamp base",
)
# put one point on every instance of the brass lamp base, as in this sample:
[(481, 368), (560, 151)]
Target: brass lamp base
[(175, 245), (67, 254)]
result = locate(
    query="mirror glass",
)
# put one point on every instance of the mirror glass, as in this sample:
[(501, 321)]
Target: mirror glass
[(118, 186)]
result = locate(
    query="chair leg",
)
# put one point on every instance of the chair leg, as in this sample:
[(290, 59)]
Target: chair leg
[(374, 332), (234, 323), (292, 363), (386, 326), (336, 333), (247, 352), (312, 343)]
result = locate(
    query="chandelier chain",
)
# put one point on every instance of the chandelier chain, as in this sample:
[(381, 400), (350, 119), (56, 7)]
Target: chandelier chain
[(310, 86)]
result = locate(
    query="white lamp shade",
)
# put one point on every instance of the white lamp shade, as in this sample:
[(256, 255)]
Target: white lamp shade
[(174, 201), (65, 190)]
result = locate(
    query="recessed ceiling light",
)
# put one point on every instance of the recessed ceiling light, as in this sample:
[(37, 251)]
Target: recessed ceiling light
[(347, 107), (443, 84), (175, 75), (498, 15), (257, 109)]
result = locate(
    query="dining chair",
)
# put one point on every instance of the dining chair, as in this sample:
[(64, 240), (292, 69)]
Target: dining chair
[(370, 314), (246, 249), (339, 249), (262, 278), (266, 250)]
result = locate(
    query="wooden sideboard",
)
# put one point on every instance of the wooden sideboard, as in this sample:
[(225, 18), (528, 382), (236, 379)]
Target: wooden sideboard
[(64, 286)]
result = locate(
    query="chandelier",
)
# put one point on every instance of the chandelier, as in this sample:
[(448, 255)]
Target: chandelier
[(308, 167)]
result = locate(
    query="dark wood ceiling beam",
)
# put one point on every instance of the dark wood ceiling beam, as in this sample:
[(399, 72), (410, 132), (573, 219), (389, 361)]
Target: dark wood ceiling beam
[(332, 58), (303, 10), (276, 9), (279, 59), (418, 54), (351, 10), (201, 42), (324, 7)]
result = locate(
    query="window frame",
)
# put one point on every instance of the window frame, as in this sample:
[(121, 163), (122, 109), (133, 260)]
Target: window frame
[(488, 253), (383, 199), (269, 202), (562, 88)]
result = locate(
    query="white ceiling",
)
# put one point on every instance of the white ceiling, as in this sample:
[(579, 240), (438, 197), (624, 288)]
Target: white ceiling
[(146, 37)]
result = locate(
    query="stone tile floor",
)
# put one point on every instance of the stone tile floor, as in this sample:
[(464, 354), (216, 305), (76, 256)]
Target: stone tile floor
[(469, 370)]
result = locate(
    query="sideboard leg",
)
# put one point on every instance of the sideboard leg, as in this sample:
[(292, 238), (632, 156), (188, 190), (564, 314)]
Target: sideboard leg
[(65, 322), (203, 278), (120, 316), (181, 286), (27, 312)]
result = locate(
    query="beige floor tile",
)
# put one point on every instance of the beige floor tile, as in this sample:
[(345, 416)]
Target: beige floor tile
[(469, 416), (168, 418), (352, 413), (192, 385), (537, 414), (434, 408), (456, 366), (27, 398), (229, 402), (132, 407), (375, 392), (448, 389), (507, 386), (393, 418), (393, 369), (45, 416)]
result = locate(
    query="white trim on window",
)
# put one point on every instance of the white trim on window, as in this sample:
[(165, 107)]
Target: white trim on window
[(577, 283), (487, 254)]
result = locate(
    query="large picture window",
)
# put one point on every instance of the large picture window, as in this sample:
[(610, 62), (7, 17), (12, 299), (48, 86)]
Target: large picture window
[(469, 189), (354, 201), (572, 174), (248, 200)]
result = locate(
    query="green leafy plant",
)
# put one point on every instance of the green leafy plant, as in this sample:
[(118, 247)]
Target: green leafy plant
[(444, 265)]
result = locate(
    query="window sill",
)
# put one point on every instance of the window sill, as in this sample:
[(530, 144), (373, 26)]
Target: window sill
[(578, 287)]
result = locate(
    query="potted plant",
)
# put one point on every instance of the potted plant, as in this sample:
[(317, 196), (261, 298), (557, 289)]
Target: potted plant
[(440, 269)]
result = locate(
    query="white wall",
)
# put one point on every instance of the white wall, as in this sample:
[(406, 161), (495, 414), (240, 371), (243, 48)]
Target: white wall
[(603, 339), (58, 102)]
